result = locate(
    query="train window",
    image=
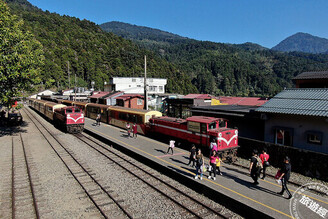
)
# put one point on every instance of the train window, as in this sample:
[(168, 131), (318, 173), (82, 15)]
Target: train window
[(69, 110), (212, 125), (203, 127), (222, 124)]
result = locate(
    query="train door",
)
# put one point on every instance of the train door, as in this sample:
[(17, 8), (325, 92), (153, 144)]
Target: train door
[(203, 134)]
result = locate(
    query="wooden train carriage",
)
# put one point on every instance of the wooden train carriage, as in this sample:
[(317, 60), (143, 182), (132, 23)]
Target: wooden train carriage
[(50, 109), (67, 102), (82, 106), (93, 109), (119, 116), (39, 105)]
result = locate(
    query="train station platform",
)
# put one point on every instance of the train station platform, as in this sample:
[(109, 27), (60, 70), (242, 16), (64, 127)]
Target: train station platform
[(234, 182)]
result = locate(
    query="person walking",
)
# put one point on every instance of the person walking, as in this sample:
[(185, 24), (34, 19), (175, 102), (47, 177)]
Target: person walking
[(128, 128), (171, 146), (213, 145), (265, 163), (284, 177), (212, 163), (255, 167), (199, 164), (98, 119), (192, 156), (218, 163), (135, 130)]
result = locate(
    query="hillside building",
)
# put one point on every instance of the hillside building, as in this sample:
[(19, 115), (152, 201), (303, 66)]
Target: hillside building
[(135, 85)]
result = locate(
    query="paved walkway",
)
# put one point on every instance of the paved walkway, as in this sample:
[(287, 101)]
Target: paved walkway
[(235, 182)]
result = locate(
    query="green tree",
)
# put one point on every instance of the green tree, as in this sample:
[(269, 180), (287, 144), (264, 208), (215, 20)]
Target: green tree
[(21, 57)]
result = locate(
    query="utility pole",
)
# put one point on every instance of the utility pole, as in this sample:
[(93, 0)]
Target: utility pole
[(69, 80), (75, 88), (145, 87)]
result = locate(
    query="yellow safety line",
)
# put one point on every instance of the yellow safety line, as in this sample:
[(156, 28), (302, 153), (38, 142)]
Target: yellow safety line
[(195, 174)]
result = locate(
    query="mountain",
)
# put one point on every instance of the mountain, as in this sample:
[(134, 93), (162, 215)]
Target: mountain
[(130, 31), (82, 48), (303, 42), (224, 69)]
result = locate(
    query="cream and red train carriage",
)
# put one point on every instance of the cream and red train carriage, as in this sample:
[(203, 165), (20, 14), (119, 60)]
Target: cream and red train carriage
[(93, 109), (50, 109), (119, 116)]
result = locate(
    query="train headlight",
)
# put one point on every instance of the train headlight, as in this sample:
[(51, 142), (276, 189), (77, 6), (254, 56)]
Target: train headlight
[(220, 135)]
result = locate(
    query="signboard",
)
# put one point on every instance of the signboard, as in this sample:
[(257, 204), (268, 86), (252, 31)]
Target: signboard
[(193, 126)]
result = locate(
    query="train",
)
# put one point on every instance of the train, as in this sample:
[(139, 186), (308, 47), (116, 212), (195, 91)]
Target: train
[(198, 130), (69, 118)]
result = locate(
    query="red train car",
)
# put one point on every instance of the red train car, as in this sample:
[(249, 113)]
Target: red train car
[(70, 118), (199, 130)]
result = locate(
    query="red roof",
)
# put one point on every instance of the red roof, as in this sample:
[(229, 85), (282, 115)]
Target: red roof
[(99, 94), (197, 96), (114, 94), (243, 101), (129, 96)]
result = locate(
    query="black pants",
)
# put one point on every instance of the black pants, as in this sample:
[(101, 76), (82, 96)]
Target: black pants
[(284, 187), (213, 169), (191, 159), (264, 169), (169, 150), (255, 175)]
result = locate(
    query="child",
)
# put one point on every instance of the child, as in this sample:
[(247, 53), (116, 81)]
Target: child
[(128, 128), (171, 146)]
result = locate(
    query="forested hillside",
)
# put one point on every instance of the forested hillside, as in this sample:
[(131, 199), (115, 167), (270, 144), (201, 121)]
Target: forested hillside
[(83, 48), (226, 69)]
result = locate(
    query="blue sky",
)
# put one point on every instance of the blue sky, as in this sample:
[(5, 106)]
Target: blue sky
[(265, 22)]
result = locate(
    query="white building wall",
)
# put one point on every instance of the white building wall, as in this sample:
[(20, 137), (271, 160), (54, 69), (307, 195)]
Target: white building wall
[(135, 85)]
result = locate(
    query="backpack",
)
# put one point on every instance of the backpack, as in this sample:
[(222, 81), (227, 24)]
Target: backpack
[(259, 165)]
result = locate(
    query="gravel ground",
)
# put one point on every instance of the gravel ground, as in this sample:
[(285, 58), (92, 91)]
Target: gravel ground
[(142, 200), (58, 194)]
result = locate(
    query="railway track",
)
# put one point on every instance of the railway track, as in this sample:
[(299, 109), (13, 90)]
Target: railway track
[(102, 198), (189, 205), (24, 202)]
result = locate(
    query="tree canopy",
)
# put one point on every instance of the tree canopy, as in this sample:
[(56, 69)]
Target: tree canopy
[(21, 57)]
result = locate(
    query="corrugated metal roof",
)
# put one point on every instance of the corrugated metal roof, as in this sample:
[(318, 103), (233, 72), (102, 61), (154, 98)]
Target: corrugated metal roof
[(312, 75), (243, 101), (301, 101), (197, 96)]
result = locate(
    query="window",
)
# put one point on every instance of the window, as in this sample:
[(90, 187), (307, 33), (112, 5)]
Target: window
[(313, 137), (160, 88), (134, 80), (212, 125), (284, 136), (139, 102), (138, 85)]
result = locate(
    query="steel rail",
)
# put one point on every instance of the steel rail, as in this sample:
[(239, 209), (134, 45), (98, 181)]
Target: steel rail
[(153, 176), (75, 177)]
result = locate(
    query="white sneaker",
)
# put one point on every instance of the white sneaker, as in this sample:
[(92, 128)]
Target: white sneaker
[(220, 174), (196, 177), (209, 177), (214, 178), (201, 178)]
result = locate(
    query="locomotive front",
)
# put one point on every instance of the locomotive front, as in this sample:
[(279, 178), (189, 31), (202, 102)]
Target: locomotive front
[(74, 120)]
